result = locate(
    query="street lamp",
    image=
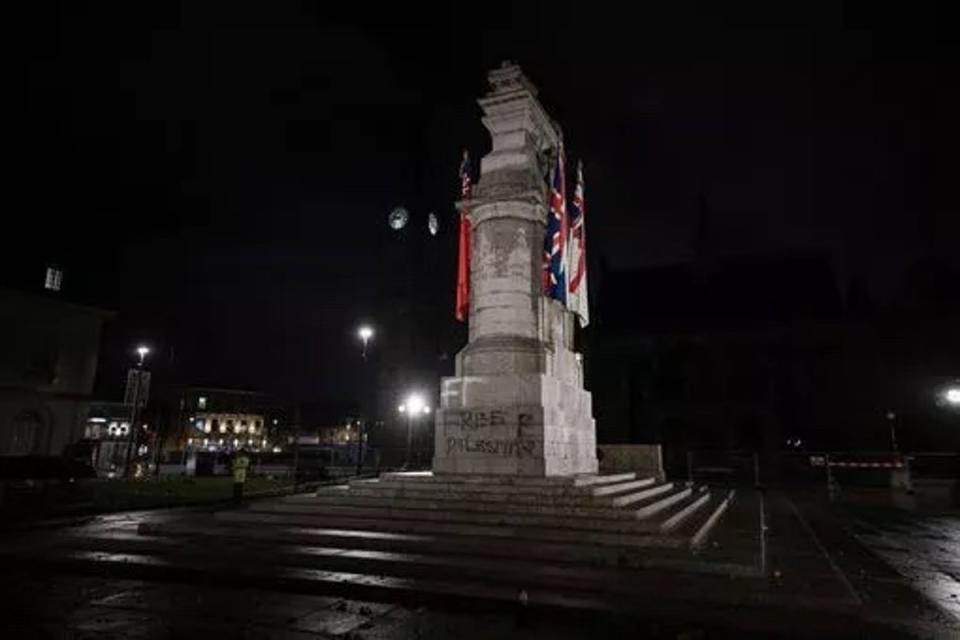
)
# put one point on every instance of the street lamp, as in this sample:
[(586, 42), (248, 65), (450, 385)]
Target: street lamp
[(142, 351), (365, 333), (892, 421), (412, 407)]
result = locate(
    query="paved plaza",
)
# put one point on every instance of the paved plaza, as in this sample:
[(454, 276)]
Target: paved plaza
[(813, 576)]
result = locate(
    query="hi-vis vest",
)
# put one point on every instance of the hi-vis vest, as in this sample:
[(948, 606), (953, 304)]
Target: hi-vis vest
[(240, 464)]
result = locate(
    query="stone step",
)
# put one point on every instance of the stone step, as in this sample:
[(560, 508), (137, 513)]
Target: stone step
[(632, 497), (602, 590), (687, 509), (452, 496), (427, 477), (569, 496), (669, 551), (345, 584), (584, 506), (698, 530), (639, 538), (594, 518), (593, 481), (472, 488), (662, 503), (226, 553), (613, 488)]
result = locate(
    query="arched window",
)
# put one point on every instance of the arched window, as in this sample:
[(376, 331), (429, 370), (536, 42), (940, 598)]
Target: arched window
[(24, 435)]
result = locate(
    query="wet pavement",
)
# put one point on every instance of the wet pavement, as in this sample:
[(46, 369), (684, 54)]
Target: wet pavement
[(925, 549), (92, 607), (820, 581)]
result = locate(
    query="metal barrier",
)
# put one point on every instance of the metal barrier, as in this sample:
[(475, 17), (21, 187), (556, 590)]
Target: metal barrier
[(821, 468)]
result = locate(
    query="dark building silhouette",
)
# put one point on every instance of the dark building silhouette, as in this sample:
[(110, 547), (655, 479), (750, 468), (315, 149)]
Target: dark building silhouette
[(49, 350), (750, 352)]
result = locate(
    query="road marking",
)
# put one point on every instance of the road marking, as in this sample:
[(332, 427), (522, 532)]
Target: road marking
[(833, 565)]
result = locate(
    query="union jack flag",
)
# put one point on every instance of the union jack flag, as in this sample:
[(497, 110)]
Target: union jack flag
[(554, 243), (577, 255)]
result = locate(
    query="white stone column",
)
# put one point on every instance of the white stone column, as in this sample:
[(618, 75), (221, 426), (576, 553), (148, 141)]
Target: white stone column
[(516, 405)]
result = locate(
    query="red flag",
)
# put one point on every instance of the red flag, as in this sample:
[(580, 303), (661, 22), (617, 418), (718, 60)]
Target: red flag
[(463, 256)]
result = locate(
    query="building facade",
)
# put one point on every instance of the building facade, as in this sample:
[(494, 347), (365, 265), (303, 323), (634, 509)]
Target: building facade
[(222, 420), (49, 350)]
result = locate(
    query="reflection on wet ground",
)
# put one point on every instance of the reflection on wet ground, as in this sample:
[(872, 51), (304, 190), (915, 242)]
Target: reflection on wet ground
[(925, 549), (122, 580)]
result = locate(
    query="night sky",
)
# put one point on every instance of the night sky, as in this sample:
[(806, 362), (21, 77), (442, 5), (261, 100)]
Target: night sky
[(220, 177)]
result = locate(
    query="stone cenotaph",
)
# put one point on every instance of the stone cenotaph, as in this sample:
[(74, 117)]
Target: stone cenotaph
[(517, 405)]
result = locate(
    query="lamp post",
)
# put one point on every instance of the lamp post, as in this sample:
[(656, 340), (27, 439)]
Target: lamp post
[(892, 420), (365, 333), (412, 408), (142, 351)]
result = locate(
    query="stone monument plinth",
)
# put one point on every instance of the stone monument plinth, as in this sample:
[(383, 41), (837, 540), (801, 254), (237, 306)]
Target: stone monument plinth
[(517, 405)]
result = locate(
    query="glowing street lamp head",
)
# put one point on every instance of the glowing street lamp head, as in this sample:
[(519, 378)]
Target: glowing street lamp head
[(365, 332), (143, 351), (952, 396), (415, 403)]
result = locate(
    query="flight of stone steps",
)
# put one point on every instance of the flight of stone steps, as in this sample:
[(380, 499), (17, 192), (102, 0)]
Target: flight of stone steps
[(583, 542), (617, 510)]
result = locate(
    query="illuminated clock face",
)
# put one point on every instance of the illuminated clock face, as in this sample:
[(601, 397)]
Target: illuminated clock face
[(433, 224), (398, 218)]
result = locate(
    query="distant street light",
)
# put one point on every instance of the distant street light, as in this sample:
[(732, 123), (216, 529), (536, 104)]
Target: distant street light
[(413, 407), (892, 421), (365, 333), (142, 351)]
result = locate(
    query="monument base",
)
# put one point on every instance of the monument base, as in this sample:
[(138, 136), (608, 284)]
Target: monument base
[(529, 424)]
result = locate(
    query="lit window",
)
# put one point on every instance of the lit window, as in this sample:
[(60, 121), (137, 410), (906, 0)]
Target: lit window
[(202, 402), (54, 279)]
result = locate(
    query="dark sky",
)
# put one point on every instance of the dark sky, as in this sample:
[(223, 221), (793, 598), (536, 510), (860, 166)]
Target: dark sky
[(220, 175)]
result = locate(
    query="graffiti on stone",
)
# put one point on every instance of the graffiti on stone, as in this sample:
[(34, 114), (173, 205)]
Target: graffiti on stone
[(491, 431), (506, 447), (474, 419)]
